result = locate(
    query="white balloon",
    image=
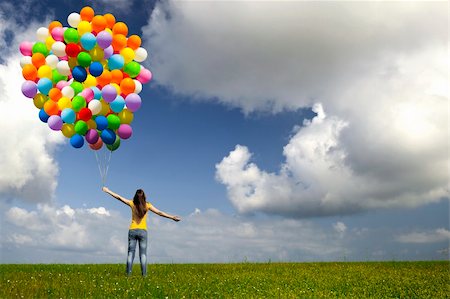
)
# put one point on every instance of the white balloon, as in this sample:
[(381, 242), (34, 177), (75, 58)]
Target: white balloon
[(138, 86), (24, 60), (42, 34), (63, 68), (140, 54), (74, 19), (95, 106), (52, 61), (59, 49), (68, 92)]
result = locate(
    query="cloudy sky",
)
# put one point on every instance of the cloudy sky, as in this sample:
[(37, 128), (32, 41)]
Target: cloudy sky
[(282, 131)]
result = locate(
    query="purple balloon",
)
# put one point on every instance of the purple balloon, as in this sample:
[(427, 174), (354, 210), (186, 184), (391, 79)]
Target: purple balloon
[(29, 89), (104, 39), (133, 102), (55, 122), (125, 131), (108, 52), (92, 136), (109, 93)]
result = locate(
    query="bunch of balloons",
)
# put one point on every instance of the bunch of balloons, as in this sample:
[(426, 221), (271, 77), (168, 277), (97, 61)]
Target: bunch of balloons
[(86, 78)]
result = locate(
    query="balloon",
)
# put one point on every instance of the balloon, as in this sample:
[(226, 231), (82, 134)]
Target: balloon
[(132, 68), (29, 72), (39, 100), (133, 102), (138, 86), (113, 122), (38, 59), (96, 146), (71, 36), (134, 42), (98, 23), (114, 146), (84, 27), (72, 49), (116, 61), (77, 87), (55, 122), (43, 116), (45, 72), (125, 116), (54, 94), (117, 105), (40, 47), (68, 130), (128, 54), (58, 34), (125, 131), (44, 85), (127, 86), (74, 19), (42, 34), (102, 122), (108, 52), (144, 76), (97, 54), (108, 136), (140, 54), (120, 28), (76, 141), (96, 69), (52, 61), (110, 20), (79, 73), (87, 13), (78, 102), (88, 41), (97, 93), (81, 127), (119, 42), (116, 76), (29, 89), (26, 48), (24, 60), (64, 103), (68, 92), (68, 116), (54, 25), (92, 136), (109, 93), (104, 39), (85, 114), (87, 94), (95, 106)]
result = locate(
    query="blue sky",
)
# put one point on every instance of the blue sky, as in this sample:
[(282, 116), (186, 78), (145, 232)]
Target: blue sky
[(274, 136)]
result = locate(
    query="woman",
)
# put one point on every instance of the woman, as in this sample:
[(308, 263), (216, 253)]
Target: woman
[(138, 228)]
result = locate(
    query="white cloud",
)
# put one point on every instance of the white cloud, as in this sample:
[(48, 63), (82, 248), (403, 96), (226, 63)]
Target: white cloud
[(29, 170), (437, 235), (340, 228), (379, 70)]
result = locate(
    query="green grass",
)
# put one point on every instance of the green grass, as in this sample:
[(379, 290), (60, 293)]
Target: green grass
[(244, 280)]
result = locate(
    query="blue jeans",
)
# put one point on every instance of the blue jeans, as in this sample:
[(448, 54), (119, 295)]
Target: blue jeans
[(134, 236)]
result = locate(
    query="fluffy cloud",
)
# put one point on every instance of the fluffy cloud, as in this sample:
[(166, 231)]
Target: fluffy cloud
[(379, 71), (437, 235)]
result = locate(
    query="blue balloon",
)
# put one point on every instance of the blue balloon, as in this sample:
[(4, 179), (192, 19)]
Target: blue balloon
[(96, 69), (68, 116), (115, 62), (44, 85), (118, 104), (102, 122), (97, 92), (88, 41), (108, 136), (79, 73), (44, 116), (76, 141)]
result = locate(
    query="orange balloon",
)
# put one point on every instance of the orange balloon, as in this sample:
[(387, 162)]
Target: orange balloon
[(53, 25), (96, 146), (119, 42), (110, 20), (104, 78), (134, 42), (87, 13), (127, 86), (55, 94), (38, 59), (29, 72), (116, 76), (120, 28), (51, 108), (98, 23)]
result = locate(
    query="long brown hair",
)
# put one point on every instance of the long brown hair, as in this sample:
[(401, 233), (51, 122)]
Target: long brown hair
[(140, 203)]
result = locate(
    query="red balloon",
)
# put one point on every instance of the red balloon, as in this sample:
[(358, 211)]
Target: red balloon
[(96, 146), (72, 49), (85, 114)]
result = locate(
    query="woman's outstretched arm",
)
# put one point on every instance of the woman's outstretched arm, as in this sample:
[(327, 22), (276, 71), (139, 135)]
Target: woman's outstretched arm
[(115, 195), (163, 214)]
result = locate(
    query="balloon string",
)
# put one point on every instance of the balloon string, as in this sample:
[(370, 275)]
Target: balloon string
[(107, 168), (99, 167)]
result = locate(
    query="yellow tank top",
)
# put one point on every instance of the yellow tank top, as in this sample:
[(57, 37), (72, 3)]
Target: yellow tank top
[(136, 222)]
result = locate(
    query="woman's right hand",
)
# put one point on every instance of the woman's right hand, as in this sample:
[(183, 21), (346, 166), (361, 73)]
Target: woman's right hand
[(105, 189)]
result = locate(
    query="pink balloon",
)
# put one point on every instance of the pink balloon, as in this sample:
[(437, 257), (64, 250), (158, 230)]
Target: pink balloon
[(88, 94), (58, 34), (25, 48), (125, 131), (61, 84), (144, 76)]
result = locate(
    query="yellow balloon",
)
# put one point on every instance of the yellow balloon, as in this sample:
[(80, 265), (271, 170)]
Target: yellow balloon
[(45, 71), (125, 116), (97, 54), (104, 63), (90, 81), (91, 124), (84, 27), (128, 54), (73, 62), (49, 41), (39, 100), (68, 130), (64, 103), (105, 108), (117, 87)]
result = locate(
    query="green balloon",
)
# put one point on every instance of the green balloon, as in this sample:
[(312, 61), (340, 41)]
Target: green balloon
[(132, 68), (84, 59), (77, 87), (71, 35), (81, 127), (113, 122), (56, 76), (78, 102), (115, 145), (39, 47)]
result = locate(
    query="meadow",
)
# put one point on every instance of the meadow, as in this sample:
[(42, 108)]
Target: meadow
[(242, 280)]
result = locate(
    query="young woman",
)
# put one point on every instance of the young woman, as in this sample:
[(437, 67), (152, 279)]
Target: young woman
[(138, 227)]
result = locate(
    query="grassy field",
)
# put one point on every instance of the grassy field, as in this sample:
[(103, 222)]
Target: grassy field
[(245, 280)]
